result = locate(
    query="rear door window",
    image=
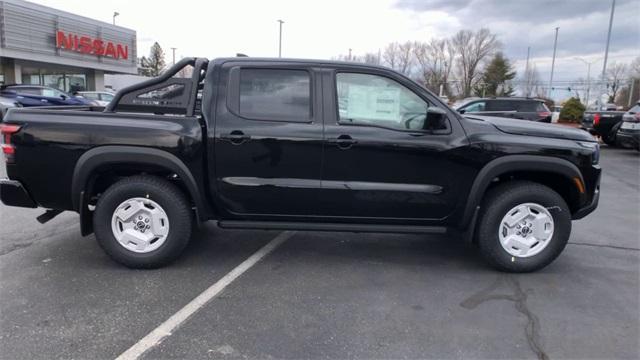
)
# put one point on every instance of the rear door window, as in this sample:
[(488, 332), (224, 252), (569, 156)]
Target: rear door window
[(529, 106), (501, 105), (275, 94), (27, 90)]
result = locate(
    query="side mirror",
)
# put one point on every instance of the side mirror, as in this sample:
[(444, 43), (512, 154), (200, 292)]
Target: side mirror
[(63, 97), (462, 111), (436, 119)]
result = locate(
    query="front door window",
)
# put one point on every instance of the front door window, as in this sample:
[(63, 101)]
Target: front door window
[(475, 107), (373, 100)]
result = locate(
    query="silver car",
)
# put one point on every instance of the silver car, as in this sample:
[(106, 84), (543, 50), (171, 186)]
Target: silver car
[(102, 98)]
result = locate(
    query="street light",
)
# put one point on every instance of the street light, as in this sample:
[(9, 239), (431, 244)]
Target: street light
[(280, 39), (586, 102), (115, 13)]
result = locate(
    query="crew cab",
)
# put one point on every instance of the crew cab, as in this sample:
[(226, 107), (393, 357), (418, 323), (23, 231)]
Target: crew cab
[(298, 145)]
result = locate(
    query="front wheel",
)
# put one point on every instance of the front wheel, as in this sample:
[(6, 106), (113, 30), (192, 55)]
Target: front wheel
[(143, 222), (523, 226)]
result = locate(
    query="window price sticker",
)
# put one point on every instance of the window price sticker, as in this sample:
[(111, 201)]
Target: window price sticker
[(375, 103)]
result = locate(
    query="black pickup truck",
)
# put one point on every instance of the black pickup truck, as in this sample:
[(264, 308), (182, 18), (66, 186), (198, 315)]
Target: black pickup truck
[(603, 123), (298, 144)]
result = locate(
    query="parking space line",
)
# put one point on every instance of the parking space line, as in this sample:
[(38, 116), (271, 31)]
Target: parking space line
[(165, 329)]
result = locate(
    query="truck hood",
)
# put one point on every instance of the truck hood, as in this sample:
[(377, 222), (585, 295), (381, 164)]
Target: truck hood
[(532, 128)]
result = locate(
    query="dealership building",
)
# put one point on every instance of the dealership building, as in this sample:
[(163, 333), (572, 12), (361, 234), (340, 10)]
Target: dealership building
[(44, 46)]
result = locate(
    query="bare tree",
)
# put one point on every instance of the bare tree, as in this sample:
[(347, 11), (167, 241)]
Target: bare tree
[(367, 58), (398, 56), (471, 49), (434, 62), (406, 57), (634, 68), (530, 83), (616, 73), (390, 55), (371, 58)]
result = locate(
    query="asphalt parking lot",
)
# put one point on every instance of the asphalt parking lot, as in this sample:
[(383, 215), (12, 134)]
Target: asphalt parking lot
[(329, 295)]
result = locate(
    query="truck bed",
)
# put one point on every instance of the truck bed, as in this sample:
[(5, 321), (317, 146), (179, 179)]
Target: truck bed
[(53, 140)]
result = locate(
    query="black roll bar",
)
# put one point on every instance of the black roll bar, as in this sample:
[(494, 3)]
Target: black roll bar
[(199, 64)]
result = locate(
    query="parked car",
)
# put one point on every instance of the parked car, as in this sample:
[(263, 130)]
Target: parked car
[(509, 107), (37, 95), (604, 124), (6, 104), (102, 98), (299, 145), (555, 114), (629, 133)]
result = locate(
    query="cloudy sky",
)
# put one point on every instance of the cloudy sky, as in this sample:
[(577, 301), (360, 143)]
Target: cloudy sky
[(324, 29)]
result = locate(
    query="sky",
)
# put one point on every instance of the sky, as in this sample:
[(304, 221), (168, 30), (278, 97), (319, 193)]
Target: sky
[(327, 28)]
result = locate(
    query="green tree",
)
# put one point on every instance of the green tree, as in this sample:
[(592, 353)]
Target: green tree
[(496, 77), (572, 110), (154, 64)]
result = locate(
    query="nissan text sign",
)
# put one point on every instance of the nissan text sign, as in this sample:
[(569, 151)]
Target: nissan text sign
[(88, 45)]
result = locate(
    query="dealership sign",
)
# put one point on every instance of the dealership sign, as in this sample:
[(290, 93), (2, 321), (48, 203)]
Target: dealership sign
[(87, 45)]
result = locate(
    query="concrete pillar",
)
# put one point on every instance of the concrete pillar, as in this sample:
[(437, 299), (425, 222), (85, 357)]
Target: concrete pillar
[(12, 72), (95, 80)]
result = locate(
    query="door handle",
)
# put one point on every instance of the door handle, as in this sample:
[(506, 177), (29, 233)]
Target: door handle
[(343, 141), (236, 137)]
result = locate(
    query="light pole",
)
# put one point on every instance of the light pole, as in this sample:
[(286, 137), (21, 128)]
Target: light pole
[(586, 101), (526, 71), (553, 62), (174, 55), (606, 51), (115, 13), (280, 39)]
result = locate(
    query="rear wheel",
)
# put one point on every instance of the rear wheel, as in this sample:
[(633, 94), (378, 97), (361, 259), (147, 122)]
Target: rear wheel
[(143, 222), (523, 226), (610, 140)]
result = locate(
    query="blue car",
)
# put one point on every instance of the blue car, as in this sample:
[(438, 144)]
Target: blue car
[(36, 95)]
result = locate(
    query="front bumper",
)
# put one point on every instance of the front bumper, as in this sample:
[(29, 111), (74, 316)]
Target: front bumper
[(588, 209), (12, 193), (628, 138)]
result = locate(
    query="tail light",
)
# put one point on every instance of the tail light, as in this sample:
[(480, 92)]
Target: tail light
[(9, 151), (544, 114), (596, 119), (637, 116)]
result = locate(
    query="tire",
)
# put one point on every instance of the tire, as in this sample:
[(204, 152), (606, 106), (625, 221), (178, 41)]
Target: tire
[(492, 231), (161, 203), (610, 140)]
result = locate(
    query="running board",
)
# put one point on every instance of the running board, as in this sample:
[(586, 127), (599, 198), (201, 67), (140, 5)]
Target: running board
[(48, 215), (307, 226)]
